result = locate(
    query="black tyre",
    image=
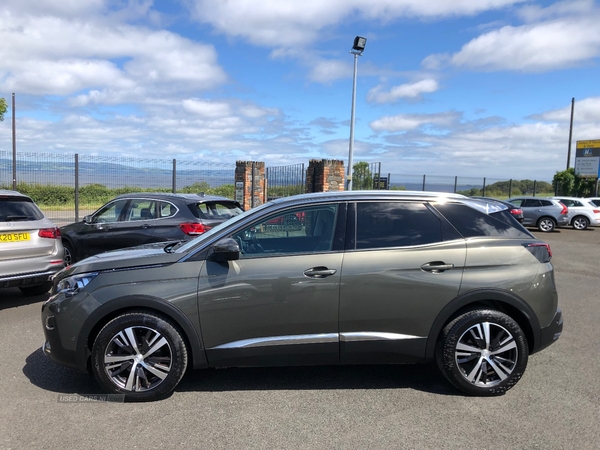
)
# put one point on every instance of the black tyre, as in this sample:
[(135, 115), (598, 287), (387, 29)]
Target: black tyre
[(32, 291), (546, 224), (580, 222), (69, 255), (483, 352), (139, 355)]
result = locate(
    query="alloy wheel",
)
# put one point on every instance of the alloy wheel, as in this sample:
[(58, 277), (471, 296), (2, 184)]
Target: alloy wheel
[(138, 359), (486, 354)]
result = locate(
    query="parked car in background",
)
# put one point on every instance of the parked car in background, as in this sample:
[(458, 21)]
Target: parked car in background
[(143, 218), (582, 212), (594, 200), (30, 247), (515, 211), (365, 277), (544, 213)]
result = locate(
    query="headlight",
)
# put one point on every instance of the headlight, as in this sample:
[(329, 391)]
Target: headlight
[(71, 285)]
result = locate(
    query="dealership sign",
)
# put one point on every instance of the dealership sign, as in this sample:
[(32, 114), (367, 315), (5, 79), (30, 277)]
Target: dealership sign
[(587, 159)]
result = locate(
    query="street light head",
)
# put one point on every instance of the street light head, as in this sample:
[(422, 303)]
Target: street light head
[(359, 44)]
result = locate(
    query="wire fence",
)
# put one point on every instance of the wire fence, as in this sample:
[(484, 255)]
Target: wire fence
[(70, 186)]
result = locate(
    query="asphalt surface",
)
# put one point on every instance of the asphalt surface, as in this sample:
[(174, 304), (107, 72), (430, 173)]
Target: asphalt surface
[(555, 406)]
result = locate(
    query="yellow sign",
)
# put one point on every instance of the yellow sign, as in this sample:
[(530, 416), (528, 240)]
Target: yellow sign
[(588, 144)]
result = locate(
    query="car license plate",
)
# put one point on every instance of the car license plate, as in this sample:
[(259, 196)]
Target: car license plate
[(14, 237)]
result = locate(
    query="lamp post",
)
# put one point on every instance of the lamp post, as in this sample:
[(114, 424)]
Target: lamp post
[(357, 50)]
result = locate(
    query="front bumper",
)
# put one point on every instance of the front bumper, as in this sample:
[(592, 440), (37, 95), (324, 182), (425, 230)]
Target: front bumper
[(550, 334), (62, 321)]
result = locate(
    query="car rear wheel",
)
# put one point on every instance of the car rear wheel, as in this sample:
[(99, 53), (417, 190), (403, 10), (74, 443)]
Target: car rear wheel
[(546, 224), (580, 222), (69, 255), (139, 355), (483, 352)]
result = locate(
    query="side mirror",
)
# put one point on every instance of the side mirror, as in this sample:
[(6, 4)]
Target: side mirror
[(225, 250), (87, 219)]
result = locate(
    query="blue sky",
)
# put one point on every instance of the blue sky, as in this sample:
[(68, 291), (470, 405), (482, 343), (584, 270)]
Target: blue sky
[(463, 88)]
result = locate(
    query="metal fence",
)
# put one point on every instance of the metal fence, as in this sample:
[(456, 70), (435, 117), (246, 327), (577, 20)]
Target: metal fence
[(77, 174), (37, 172), (284, 181)]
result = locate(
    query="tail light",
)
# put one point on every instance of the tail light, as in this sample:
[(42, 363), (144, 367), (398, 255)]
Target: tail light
[(49, 233), (516, 211), (540, 250), (193, 228), (565, 210)]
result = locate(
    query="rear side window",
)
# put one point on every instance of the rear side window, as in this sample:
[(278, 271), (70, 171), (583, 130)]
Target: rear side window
[(395, 224), (215, 210), (14, 209), (474, 223), (546, 203)]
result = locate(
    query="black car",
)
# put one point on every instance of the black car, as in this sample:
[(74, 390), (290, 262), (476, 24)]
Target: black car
[(142, 218), (515, 211)]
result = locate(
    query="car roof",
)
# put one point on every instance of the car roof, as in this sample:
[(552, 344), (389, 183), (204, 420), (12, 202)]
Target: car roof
[(9, 193), (171, 196), (368, 195)]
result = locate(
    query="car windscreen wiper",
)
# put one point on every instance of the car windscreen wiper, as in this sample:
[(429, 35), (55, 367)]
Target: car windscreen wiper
[(11, 218)]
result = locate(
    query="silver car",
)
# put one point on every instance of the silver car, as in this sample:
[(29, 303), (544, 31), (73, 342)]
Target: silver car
[(544, 213), (582, 212), (30, 247), (359, 277)]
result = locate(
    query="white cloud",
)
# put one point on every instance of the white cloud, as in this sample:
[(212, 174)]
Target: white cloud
[(276, 23), (53, 55), (403, 91), (405, 122)]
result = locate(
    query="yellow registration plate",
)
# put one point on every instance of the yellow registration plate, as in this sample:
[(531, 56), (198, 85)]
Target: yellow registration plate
[(14, 237)]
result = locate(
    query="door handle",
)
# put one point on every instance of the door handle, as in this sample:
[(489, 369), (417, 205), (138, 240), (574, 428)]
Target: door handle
[(436, 267), (319, 272)]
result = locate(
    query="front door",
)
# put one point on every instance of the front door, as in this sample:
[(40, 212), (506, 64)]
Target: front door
[(277, 304)]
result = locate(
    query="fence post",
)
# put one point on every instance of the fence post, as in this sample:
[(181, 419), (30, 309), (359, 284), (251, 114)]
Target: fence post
[(76, 187), (510, 188), (455, 183), (423, 182), (483, 190), (174, 176), (534, 187)]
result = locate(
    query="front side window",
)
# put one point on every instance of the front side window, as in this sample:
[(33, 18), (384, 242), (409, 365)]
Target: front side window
[(111, 212), (396, 224), (301, 230)]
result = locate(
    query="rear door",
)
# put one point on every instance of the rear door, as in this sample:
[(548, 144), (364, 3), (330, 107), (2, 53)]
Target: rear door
[(404, 264)]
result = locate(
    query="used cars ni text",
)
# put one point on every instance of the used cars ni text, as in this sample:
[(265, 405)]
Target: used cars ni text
[(142, 218), (364, 277), (30, 247)]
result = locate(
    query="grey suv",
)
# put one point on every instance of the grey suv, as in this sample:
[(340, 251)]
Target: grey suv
[(30, 247), (363, 277), (544, 213)]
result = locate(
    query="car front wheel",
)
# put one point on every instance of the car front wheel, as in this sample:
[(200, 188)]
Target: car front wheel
[(139, 355), (580, 223), (483, 352), (546, 224)]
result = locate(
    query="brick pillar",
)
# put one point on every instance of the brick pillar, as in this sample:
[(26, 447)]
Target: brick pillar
[(325, 175), (250, 187)]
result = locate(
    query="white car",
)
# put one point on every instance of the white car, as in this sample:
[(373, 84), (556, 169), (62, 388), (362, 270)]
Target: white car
[(582, 212), (594, 200), (30, 247)]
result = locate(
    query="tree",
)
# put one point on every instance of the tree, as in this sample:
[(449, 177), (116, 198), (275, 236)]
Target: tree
[(3, 108), (362, 178), (564, 182)]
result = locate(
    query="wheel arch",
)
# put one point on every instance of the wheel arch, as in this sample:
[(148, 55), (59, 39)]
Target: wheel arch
[(503, 301), (107, 312)]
